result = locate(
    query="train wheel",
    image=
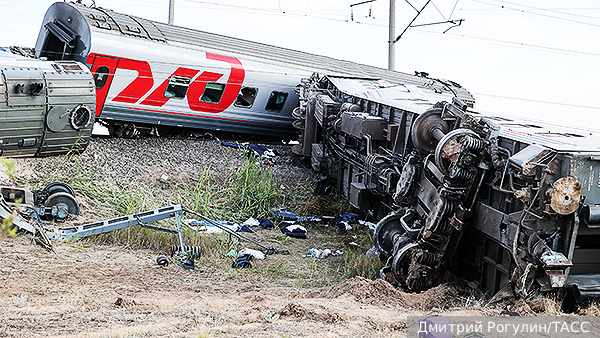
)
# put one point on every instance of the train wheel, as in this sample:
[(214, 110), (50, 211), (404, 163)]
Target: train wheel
[(422, 130), (447, 150), (115, 130), (129, 130), (63, 199), (386, 234), (58, 186), (568, 298), (401, 263)]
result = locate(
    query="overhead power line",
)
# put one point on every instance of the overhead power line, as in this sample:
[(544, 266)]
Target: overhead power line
[(539, 14), (538, 101), (555, 10)]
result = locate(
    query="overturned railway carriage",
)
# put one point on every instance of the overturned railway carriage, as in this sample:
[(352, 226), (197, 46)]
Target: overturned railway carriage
[(494, 198), (149, 74), (46, 107)]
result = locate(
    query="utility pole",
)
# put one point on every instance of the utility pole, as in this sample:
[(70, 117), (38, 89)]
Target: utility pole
[(171, 11), (392, 37)]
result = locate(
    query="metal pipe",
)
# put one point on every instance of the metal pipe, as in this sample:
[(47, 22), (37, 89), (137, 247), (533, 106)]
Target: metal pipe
[(171, 11), (392, 36), (179, 232)]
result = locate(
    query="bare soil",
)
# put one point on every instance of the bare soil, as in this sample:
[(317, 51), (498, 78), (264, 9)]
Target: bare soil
[(89, 289)]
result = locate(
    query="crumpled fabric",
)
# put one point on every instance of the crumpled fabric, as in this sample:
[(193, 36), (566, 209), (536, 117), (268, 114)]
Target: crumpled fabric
[(265, 223), (292, 229), (241, 263), (343, 225), (255, 254), (342, 220), (244, 228)]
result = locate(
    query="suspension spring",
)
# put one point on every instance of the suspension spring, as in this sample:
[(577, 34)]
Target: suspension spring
[(194, 251), (473, 144), (427, 258), (416, 285), (462, 173)]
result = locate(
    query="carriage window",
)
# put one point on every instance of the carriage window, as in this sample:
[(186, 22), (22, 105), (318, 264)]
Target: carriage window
[(101, 76), (177, 86), (213, 92), (246, 97), (276, 101)]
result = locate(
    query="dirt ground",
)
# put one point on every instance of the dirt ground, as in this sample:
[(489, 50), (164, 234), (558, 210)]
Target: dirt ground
[(111, 291), (87, 289)]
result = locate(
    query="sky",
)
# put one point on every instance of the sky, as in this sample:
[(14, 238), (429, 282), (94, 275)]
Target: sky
[(536, 58)]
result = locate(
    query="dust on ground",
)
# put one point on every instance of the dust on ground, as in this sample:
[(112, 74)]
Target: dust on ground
[(87, 289)]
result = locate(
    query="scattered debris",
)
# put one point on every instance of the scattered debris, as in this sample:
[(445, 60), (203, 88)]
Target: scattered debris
[(287, 215), (255, 254), (241, 263), (370, 225), (251, 222), (244, 228), (292, 229), (162, 260), (323, 253), (343, 220), (265, 223), (266, 250), (267, 156)]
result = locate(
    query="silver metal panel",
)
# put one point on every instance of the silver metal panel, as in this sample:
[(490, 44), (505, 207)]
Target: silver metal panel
[(18, 81), (2, 90)]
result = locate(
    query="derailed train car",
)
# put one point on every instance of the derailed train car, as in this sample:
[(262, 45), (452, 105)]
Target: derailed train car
[(46, 107), (149, 75), (496, 199)]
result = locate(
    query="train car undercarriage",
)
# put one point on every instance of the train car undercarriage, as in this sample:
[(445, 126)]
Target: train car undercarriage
[(495, 200)]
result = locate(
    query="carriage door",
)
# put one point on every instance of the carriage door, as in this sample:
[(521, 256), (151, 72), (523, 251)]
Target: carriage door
[(103, 69)]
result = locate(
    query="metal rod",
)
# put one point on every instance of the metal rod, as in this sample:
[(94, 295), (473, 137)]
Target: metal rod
[(171, 11), (364, 2), (215, 223), (392, 34), (413, 20), (179, 233)]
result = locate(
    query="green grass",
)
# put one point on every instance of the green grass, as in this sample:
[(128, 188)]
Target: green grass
[(249, 190)]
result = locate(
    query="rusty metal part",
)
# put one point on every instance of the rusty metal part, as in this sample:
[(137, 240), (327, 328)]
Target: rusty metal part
[(566, 194)]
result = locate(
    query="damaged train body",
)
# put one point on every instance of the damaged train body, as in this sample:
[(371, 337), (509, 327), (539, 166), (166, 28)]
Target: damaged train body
[(490, 197), (151, 76), (46, 107)]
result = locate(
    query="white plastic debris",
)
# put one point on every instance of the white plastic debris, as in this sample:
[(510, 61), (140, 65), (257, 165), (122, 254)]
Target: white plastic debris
[(251, 222)]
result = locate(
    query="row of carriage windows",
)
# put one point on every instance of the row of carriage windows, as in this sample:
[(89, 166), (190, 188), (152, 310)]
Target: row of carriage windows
[(213, 92), (178, 86)]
